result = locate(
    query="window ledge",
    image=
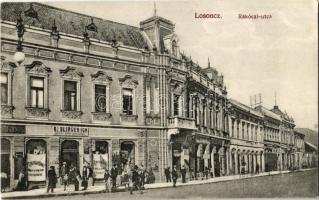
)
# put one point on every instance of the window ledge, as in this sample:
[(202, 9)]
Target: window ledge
[(71, 114), (33, 112), (128, 118), (6, 111), (101, 116)]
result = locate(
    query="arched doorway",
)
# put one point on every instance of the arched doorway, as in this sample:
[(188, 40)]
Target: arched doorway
[(127, 154), (70, 153), (176, 152), (100, 158), (5, 159)]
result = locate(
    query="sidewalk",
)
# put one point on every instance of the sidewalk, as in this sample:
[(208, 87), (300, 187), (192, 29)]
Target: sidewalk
[(100, 188)]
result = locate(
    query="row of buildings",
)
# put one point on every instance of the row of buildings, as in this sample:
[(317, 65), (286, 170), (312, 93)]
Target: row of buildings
[(80, 89)]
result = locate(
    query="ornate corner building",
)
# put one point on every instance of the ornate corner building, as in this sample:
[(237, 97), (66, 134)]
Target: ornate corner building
[(94, 91)]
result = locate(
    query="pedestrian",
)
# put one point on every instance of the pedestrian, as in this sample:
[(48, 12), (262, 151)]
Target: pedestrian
[(4, 178), (63, 171), (206, 172), (74, 177), (168, 175), (91, 175), (85, 177), (183, 172), (114, 174), (107, 180), (174, 176), (142, 176), (65, 180), (136, 181), (21, 186), (52, 179), (151, 176), (257, 168)]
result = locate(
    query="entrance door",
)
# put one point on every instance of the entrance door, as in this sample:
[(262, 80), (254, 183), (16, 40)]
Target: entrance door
[(5, 159), (127, 154), (216, 165), (70, 153)]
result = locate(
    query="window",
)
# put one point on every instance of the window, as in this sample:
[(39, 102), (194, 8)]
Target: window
[(37, 92), (100, 98), (243, 126), (174, 48), (70, 95), (176, 105), (128, 101), (4, 88)]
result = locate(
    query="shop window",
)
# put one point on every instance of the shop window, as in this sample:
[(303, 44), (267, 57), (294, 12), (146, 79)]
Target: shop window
[(100, 98), (37, 92), (70, 95), (4, 88), (127, 153), (176, 104), (101, 147), (127, 101), (36, 160)]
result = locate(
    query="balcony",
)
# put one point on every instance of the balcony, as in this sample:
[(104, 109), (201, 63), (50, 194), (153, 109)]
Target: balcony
[(181, 122)]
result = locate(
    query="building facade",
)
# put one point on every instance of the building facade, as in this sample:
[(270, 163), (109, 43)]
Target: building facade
[(92, 91), (246, 132)]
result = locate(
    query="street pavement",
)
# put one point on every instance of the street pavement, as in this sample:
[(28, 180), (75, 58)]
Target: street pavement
[(286, 185)]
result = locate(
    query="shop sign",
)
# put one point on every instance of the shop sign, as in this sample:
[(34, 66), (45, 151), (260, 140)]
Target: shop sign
[(71, 131), (18, 129), (100, 163), (36, 167)]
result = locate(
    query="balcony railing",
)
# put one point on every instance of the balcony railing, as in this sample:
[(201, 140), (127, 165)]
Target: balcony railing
[(181, 122)]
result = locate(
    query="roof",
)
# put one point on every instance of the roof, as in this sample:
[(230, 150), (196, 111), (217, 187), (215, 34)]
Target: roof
[(270, 114), (73, 23), (281, 113), (311, 136), (311, 146), (245, 107)]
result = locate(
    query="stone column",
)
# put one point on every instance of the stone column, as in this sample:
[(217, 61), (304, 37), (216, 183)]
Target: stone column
[(230, 162), (227, 161), (263, 161), (212, 160), (236, 161)]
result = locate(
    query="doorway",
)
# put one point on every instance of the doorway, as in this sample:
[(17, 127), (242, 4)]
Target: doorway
[(5, 159), (70, 153)]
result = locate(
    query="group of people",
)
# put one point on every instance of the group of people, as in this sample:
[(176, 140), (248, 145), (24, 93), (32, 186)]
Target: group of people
[(174, 175), (70, 176), (132, 177)]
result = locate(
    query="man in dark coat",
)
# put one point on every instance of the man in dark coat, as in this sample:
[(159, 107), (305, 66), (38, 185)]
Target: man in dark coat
[(183, 172), (85, 177), (136, 180), (114, 174), (174, 176), (168, 175), (74, 177), (51, 179)]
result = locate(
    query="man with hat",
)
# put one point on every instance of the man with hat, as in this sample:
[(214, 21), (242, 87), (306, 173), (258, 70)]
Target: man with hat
[(63, 172)]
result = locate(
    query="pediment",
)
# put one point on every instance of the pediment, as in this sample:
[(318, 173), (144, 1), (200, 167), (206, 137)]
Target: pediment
[(71, 72), (37, 67)]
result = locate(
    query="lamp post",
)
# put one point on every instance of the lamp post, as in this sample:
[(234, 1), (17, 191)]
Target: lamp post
[(19, 56)]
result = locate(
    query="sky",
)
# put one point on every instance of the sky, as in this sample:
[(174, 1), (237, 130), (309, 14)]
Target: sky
[(267, 56)]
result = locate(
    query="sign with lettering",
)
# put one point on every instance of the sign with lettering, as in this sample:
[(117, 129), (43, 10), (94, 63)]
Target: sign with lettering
[(36, 167), (100, 163), (71, 131), (18, 129)]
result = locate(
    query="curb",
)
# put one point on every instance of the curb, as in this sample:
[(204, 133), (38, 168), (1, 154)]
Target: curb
[(169, 186)]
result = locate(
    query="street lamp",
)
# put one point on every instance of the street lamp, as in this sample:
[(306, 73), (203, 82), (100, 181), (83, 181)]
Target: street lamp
[(19, 56)]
